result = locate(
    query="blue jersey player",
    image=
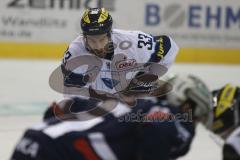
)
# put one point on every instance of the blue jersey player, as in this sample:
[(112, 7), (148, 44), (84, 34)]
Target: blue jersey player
[(161, 128)]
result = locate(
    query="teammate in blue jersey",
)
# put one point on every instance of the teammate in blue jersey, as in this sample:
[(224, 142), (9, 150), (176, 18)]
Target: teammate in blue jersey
[(154, 129)]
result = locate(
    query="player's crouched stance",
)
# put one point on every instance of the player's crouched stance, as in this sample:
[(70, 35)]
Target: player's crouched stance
[(104, 59), (226, 120), (125, 133)]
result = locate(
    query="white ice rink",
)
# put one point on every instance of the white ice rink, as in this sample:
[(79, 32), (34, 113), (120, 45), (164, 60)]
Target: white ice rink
[(24, 94)]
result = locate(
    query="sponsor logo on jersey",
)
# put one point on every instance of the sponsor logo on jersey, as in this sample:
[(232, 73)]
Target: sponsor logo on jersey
[(129, 63)]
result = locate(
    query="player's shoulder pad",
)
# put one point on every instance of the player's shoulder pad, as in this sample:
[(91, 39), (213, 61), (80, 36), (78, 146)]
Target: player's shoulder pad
[(125, 32), (77, 47), (131, 35)]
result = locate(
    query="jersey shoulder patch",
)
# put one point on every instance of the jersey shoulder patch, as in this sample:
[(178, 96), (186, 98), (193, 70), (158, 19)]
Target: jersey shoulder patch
[(163, 45)]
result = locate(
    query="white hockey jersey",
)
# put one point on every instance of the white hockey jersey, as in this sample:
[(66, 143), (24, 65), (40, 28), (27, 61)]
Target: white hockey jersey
[(133, 46)]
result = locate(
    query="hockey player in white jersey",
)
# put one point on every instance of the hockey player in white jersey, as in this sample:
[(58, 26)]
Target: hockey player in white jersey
[(106, 60), (226, 114)]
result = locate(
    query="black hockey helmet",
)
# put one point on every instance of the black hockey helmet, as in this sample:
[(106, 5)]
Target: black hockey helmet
[(96, 21), (226, 108)]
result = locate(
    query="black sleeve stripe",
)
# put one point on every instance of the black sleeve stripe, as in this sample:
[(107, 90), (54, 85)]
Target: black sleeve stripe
[(229, 153), (163, 45)]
